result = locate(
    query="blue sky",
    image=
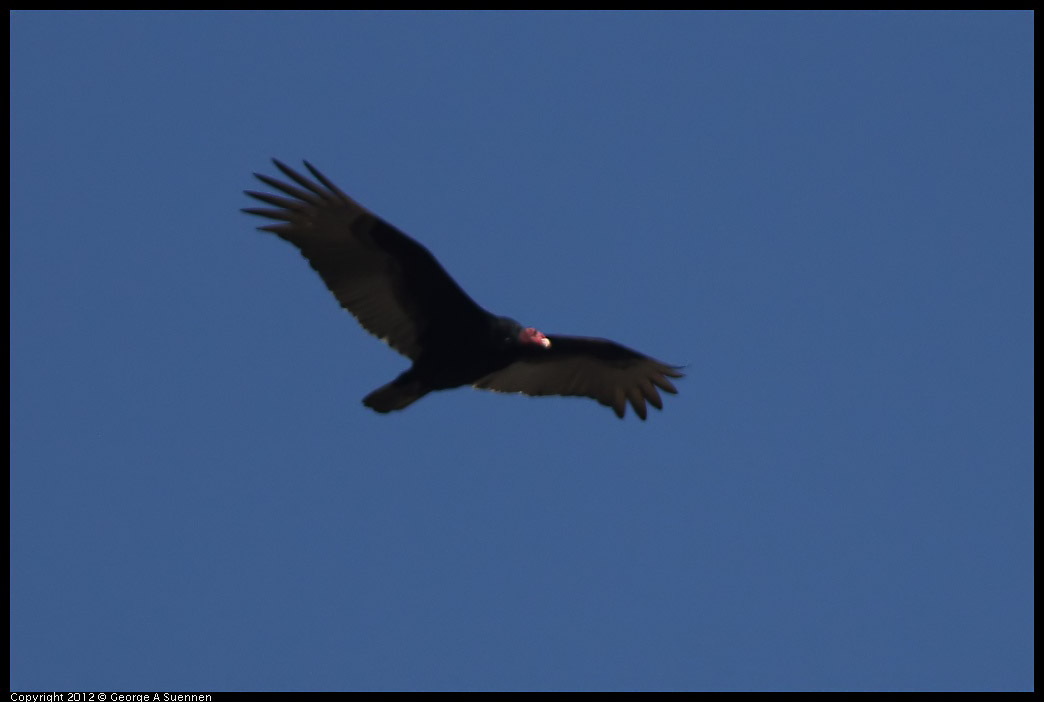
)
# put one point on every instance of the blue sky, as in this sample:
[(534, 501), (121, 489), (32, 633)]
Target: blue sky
[(827, 217)]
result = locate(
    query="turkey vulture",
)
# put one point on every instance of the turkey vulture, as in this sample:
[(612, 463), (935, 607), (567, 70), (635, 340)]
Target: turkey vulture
[(398, 292)]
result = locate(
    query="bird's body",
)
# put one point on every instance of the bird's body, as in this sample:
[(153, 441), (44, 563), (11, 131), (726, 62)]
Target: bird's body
[(398, 292)]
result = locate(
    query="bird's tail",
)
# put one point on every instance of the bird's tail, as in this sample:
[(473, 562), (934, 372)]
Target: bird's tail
[(399, 393)]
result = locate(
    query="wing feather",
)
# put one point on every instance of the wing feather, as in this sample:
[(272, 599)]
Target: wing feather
[(393, 286), (600, 369)]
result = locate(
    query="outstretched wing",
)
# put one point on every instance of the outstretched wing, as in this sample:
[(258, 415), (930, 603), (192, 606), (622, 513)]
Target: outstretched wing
[(596, 368), (389, 282)]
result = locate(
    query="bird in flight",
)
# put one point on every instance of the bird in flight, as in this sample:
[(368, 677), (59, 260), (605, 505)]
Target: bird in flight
[(399, 293)]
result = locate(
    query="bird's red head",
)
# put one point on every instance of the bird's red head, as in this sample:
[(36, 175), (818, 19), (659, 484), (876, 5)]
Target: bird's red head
[(529, 335)]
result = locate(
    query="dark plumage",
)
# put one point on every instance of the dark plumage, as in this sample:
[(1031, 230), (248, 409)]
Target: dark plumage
[(400, 294)]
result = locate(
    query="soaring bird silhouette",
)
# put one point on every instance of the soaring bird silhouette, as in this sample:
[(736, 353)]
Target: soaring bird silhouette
[(399, 293)]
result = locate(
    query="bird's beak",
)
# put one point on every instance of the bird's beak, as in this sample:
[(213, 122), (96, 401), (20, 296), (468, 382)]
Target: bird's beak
[(529, 335)]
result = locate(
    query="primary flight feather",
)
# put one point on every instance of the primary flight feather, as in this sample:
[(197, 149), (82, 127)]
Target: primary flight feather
[(400, 294)]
